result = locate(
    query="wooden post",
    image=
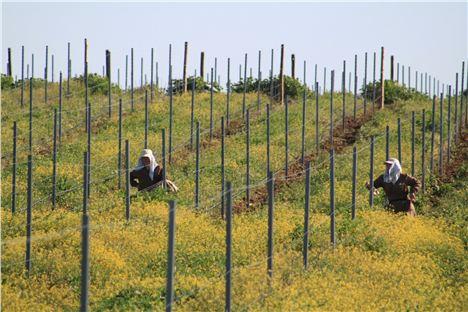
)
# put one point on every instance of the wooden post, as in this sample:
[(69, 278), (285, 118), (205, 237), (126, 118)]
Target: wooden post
[(202, 64), (382, 81), (293, 66), (9, 70), (391, 67)]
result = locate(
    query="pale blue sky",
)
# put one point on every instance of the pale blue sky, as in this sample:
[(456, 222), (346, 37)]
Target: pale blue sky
[(430, 37)]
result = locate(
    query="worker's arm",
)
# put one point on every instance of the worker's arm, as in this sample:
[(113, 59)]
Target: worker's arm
[(133, 179), (377, 183), (415, 186)]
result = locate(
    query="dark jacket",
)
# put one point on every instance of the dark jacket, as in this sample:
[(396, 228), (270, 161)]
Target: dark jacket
[(140, 178), (400, 190)]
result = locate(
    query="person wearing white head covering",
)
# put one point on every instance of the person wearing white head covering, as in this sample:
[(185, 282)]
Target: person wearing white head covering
[(147, 173), (400, 188)]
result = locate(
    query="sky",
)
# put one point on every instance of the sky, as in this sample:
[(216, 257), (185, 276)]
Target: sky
[(427, 36)]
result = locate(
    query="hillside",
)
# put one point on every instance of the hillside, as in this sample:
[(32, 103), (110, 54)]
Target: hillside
[(382, 261)]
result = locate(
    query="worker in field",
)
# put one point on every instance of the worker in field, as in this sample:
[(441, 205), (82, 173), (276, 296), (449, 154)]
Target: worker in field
[(400, 188), (148, 174)]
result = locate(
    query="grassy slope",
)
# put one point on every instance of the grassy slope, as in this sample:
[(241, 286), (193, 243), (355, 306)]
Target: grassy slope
[(382, 260)]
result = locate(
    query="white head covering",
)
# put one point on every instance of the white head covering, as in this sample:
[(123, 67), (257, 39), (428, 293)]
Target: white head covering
[(394, 172), (153, 164)]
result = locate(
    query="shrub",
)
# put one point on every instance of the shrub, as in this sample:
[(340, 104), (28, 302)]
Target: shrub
[(292, 87), (7, 82), (98, 84), (393, 92), (200, 85)]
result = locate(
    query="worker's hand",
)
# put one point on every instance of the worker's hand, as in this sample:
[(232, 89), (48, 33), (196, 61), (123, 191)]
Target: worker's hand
[(412, 197), (368, 185)]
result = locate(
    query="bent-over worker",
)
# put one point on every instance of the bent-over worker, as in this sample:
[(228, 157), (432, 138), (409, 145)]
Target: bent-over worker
[(400, 188)]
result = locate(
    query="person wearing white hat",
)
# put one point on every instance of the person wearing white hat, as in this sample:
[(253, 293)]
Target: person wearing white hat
[(400, 188), (147, 173)]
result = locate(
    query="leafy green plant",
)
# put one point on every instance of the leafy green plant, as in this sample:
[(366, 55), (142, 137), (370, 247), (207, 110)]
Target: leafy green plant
[(7, 82), (200, 85), (292, 87), (394, 92)]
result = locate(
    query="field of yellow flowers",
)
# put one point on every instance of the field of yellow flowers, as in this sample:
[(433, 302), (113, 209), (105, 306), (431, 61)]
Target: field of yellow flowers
[(382, 261)]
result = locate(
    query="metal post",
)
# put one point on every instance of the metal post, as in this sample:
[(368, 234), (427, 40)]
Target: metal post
[(268, 138), (152, 75), (331, 106), (462, 96), (30, 113), (441, 135), (211, 105), (432, 134), (343, 91), (222, 167), (197, 168), (286, 146), (365, 84), (170, 112), (127, 180), (68, 71), (355, 87), (353, 196), (126, 72), (84, 297), (399, 140), (141, 77), (245, 86), (131, 80), (305, 245), (163, 152), (324, 80), (13, 182), (317, 143), (455, 121), (259, 79), (170, 257), (412, 143), (423, 147), (270, 185), (373, 82), (387, 142), (303, 126), (22, 76), (228, 90), (449, 123), (146, 119), (60, 109), (271, 78), (192, 113), (119, 161), (228, 286), (332, 198), (247, 159), (46, 69), (109, 77), (29, 217), (85, 182), (54, 161), (371, 174)]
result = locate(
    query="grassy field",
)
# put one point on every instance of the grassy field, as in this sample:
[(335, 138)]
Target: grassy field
[(382, 261)]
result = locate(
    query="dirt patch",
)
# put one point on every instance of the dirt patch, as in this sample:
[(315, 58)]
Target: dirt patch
[(342, 137), (345, 136), (459, 156)]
